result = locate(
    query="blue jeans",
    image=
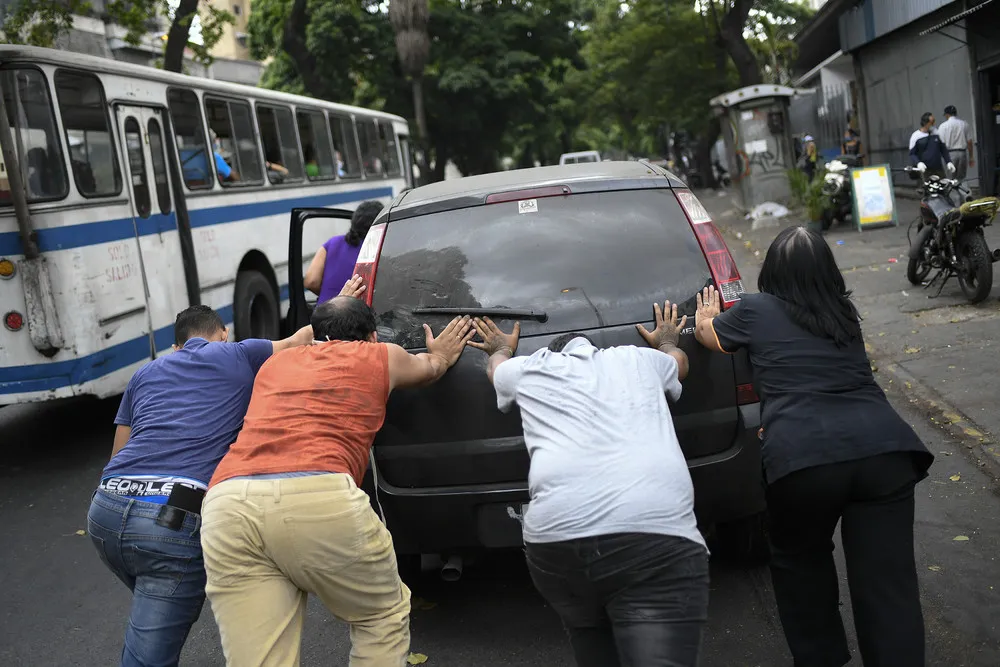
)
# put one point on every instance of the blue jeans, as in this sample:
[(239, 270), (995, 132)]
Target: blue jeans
[(162, 567), (626, 599)]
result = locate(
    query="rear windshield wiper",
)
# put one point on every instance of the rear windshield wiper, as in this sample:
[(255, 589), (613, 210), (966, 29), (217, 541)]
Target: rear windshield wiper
[(503, 313)]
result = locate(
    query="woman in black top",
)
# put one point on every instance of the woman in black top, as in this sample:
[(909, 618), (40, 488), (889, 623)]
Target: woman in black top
[(833, 449)]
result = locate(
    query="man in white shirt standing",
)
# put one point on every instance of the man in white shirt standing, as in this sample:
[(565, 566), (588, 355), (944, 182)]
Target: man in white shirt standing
[(957, 137), (610, 535)]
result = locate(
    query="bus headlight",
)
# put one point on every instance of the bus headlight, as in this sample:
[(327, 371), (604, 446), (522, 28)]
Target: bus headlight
[(7, 269)]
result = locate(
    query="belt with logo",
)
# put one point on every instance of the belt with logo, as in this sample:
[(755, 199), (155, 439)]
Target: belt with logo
[(180, 492)]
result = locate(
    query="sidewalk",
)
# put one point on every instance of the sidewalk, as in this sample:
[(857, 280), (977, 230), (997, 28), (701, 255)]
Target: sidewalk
[(941, 351)]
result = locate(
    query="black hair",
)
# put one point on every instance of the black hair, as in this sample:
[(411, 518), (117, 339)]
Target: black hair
[(561, 342), (800, 269), (196, 321), (926, 118), (361, 221), (343, 318), (951, 110)]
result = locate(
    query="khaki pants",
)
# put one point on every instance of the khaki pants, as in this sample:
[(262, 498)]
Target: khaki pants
[(267, 543)]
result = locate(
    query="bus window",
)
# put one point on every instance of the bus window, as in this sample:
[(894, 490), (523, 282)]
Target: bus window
[(137, 167), (88, 133), (159, 166), (281, 150), (29, 111), (389, 151), (348, 162), (315, 138), (234, 142), (370, 149), (185, 116)]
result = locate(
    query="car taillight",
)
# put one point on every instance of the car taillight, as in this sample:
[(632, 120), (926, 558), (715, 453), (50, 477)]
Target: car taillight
[(720, 262), (13, 321), (368, 256), (745, 395)]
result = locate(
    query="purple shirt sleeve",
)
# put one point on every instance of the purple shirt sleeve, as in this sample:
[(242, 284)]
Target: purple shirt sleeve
[(124, 416), (257, 351)]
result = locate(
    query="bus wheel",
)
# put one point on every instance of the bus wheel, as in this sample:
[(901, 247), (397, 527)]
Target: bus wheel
[(255, 307)]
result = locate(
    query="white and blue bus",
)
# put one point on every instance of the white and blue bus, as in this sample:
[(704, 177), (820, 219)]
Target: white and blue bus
[(147, 191)]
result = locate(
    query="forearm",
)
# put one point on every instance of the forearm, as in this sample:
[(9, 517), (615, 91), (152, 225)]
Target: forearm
[(679, 355), (434, 367), (497, 358)]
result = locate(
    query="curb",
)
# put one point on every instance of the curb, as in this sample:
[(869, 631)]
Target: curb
[(979, 446)]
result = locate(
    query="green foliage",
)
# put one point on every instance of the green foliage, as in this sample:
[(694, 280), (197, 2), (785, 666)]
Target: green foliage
[(798, 183), (773, 26), (814, 200), (41, 22)]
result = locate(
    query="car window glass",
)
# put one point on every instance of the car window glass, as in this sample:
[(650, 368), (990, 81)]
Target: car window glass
[(348, 162), (185, 117), (586, 261), (159, 166), (29, 112), (88, 133), (315, 136), (277, 134)]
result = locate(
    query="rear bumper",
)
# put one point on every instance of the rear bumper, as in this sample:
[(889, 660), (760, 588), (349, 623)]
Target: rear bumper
[(728, 486)]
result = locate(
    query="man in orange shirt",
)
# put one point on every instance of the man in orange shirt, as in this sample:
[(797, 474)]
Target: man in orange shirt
[(284, 516)]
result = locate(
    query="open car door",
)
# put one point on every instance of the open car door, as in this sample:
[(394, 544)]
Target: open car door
[(309, 229)]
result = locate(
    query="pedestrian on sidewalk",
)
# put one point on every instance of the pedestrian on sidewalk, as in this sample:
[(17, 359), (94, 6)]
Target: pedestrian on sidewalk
[(611, 539), (284, 516), (834, 450), (811, 157), (179, 414), (927, 152), (957, 138)]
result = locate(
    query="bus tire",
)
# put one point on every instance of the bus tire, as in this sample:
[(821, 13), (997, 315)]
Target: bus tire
[(256, 312)]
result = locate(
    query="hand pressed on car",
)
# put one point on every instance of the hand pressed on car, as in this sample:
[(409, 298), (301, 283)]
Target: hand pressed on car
[(443, 351), (499, 346), (666, 334)]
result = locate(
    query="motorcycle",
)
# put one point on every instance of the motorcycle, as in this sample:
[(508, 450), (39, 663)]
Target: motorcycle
[(721, 174), (837, 189), (949, 237)]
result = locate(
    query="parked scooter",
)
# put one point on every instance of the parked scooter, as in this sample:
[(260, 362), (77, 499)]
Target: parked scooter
[(837, 189), (949, 237)]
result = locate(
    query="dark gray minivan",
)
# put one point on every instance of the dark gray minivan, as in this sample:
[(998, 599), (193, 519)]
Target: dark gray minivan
[(586, 247)]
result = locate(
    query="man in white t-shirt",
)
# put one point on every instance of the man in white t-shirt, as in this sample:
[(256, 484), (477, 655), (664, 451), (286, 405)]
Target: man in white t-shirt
[(610, 534), (957, 137)]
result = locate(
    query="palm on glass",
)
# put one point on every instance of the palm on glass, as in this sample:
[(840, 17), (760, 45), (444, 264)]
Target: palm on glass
[(708, 305), (667, 331), (451, 341), (494, 339)]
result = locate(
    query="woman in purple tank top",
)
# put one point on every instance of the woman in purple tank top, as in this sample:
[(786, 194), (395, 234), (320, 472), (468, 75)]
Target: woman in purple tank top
[(333, 264)]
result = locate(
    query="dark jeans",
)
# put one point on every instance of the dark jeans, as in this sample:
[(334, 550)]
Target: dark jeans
[(162, 567), (873, 500), (629, 599)]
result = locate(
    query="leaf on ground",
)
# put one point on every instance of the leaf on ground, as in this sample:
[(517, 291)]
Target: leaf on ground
[(912, 350), (881, 333), (960, 538), (955, 478), (81, 532), (416, 659), (909, 386), (934, 568)]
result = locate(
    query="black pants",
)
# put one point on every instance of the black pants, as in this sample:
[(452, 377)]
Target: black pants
[(873, 499), (629, 599)]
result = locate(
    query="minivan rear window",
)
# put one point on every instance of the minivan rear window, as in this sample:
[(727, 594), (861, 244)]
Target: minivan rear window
[(587, 261)]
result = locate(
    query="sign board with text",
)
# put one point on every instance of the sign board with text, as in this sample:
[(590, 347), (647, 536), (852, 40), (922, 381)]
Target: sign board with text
[(873, 196)]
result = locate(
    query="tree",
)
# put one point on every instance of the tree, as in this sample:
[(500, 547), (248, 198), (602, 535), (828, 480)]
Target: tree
[(409, 21), (729, 32), (42, 22)]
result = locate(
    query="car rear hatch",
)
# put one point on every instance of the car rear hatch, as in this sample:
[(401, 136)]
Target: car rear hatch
[(588, 262)]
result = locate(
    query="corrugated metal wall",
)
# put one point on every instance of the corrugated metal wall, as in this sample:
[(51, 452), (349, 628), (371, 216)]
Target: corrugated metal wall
[(872, 19), (905, 75)]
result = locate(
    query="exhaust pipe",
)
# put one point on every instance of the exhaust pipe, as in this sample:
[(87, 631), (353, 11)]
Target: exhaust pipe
[(452, 569)]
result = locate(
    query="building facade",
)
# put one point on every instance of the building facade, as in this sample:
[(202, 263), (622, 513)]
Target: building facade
[(233, 44)]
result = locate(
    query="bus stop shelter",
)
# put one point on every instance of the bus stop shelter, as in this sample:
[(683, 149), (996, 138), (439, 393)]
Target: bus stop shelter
[(757, 134)]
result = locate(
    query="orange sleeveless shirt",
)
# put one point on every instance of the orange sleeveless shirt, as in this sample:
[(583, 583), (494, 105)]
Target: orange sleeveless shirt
[(313, 408)]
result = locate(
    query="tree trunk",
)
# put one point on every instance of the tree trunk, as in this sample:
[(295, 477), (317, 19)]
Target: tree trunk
[(177, 36), (418, 106), (293, 41), (704, 154), (731, 34)]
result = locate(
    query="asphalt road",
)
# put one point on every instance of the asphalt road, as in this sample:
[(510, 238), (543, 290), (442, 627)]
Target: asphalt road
[(62, 608)]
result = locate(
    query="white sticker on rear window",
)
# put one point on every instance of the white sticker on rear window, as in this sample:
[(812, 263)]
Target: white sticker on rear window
[(527, 206)]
